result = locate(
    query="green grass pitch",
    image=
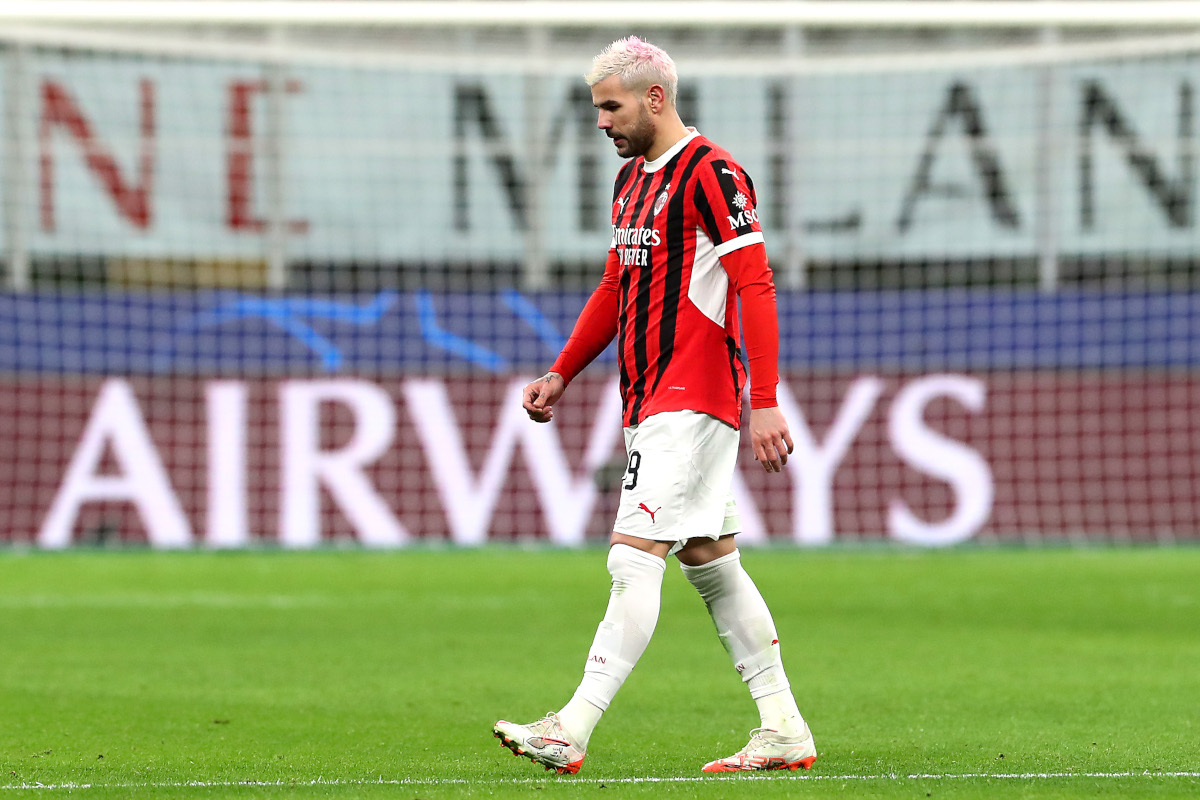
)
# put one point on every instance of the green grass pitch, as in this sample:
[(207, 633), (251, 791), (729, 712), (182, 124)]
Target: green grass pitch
[(963, 673)]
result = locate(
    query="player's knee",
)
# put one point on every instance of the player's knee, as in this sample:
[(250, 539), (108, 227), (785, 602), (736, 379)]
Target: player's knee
[(628, 565), (711, 579)]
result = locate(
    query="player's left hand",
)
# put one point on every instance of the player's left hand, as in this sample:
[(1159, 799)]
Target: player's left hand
[(770, 438)]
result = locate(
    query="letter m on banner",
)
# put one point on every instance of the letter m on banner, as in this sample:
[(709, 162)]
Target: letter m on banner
[(61, 112)]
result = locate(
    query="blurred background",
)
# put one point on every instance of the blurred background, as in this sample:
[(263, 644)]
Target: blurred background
[(275, 272)]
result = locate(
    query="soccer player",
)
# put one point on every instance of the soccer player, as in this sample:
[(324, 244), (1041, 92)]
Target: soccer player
[(686, 246)]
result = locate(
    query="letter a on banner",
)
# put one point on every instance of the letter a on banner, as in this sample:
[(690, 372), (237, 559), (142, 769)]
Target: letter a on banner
[(962, 105), (117, 422)]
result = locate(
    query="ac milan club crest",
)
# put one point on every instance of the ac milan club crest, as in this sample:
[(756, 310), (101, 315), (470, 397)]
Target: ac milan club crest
[(661, 200)]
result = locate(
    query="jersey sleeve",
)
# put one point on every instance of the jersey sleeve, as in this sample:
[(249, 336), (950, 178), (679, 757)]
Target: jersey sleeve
[(596, 326), (727, 205), (750, 276)]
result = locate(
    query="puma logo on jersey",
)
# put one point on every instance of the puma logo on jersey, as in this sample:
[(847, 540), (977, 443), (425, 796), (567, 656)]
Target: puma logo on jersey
[(646, 508), (732, 172)]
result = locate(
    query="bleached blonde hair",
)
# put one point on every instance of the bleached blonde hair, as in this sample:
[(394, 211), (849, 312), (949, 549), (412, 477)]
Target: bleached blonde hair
[(639, 65)]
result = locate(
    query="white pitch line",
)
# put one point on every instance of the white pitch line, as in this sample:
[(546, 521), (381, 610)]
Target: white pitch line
[(532, 781)]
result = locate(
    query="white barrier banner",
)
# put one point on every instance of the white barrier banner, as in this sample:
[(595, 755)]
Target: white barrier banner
[(156, 158)]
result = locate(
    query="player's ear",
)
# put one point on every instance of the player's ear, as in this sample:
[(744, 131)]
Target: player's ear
[(657, 96)]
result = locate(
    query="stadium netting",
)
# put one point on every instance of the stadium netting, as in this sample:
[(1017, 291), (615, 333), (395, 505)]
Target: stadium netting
[(281, 283)]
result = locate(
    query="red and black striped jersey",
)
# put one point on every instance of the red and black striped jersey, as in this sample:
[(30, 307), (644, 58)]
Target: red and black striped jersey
[(676, 314)]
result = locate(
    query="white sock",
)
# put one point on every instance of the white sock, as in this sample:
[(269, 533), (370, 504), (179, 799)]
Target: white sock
[(747, 631), (620, 639)]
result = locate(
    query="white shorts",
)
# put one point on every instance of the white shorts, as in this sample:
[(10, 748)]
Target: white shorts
[(678, 479)]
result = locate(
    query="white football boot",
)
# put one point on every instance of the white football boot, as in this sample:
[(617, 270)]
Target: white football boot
[(543, 742), (767, 751)]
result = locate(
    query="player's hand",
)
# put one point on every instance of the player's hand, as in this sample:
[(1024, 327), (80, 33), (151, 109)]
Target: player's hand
[(540, 396), (770, 438)]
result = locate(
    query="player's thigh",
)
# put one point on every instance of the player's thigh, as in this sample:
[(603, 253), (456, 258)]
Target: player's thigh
[(701, 550), (652, 546)]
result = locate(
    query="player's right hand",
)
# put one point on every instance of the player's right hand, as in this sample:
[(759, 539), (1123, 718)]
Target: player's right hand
[(540, 396)]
